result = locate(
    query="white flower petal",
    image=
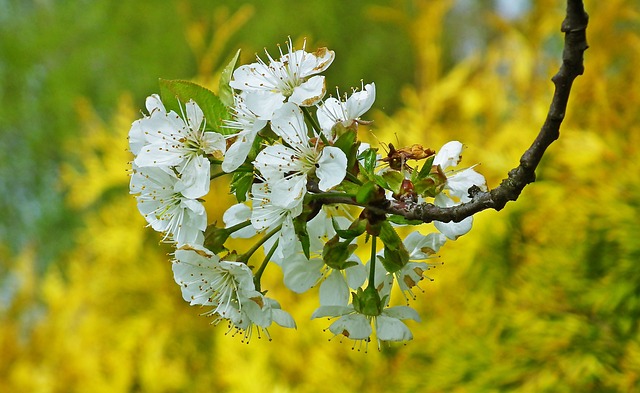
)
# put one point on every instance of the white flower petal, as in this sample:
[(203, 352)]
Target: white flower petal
[(334, 290), (449, 155), (353, 326), (310, 92), (392, 329), (332, 167)]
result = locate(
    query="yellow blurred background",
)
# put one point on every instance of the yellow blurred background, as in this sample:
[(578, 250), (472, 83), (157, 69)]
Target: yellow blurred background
[(543, 296)]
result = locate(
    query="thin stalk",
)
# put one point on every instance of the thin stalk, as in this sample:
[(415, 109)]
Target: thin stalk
[(263, 265), (372, 264), (245, 257)]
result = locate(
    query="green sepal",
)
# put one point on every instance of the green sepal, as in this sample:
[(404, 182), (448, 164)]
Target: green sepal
[(224, 90), (178, 92), (432, 184), (367, 301), (240, 185), (214, 238), (389, 236), (335, 253)]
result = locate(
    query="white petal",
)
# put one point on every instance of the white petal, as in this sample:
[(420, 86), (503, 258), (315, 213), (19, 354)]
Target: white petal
[(453, 230), (238, 151), (237, 214), (195, 178), (331, 311), (449, 155), (459, 183), (283, 318), (300, 273), (361, 101), (310, 92), (353, 326), (392, 329), (194, 115), (288, 123), (153, 103), (263, 104), (334, 290), (402, 312), (332, 167)]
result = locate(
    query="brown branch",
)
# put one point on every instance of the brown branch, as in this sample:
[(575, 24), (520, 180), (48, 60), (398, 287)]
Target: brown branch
[(575, 43)]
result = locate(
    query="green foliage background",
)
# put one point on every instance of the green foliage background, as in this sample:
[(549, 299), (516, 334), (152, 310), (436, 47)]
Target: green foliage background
[(543, 296)]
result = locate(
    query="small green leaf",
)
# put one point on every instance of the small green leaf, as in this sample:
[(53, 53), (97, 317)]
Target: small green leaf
[(356, 229), (389, 236), (215, 112), (370, 159), (424, 171), (400, 220), (366, 193), (394, 180), (240, 185), (300, 226), (224, 90)]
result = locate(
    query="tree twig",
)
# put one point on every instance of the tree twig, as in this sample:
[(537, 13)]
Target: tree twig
[(574, 26)]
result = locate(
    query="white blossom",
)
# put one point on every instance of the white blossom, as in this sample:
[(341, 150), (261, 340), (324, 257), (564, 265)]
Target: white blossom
[(171, 141), (346, 113), (168, 211), (291, 78), (456, 189)]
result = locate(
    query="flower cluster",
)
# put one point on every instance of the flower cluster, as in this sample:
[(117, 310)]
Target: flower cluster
[(307, 190)]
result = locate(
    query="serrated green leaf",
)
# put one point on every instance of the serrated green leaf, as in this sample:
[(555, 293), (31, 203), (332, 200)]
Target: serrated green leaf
[(394, 180), (389, 236), (224, 90), (215, 112)]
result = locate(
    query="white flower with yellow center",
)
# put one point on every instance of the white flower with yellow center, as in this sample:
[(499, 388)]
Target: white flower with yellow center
[(171, 141), (334, 112), (456, 189), (291, 78), (301, 158), (168, 211)]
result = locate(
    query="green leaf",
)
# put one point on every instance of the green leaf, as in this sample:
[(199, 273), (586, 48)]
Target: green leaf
[(389, 236), (394, 180), (348, 144), (240, 185), (400, 220), (183, 91), (370, 159), (300, 226), (424, 171), (366, 193), (356, 229), (224, 90)]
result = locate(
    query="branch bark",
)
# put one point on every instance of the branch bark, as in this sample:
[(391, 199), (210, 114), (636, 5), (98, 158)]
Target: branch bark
[(574, 26)]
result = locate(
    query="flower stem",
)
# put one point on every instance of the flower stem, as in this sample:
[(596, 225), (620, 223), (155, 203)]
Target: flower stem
[(239, 226), (245, 257), (263, 265), (372, 264)]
